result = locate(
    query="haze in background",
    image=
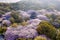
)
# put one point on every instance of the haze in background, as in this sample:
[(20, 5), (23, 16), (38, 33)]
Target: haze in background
[(34, 4), (39, 4), (9, 1)]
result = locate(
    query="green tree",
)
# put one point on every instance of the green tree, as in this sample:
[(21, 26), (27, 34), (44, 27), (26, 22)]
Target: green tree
[(46, 28)]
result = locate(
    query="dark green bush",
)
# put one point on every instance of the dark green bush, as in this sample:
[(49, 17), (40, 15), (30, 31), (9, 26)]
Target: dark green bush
[(46, 28), (3, 29), (58, 35), (16, 17)]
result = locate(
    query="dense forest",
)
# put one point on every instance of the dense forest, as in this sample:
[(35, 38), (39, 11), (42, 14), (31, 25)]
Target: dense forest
[(30, 20), (32, 5)]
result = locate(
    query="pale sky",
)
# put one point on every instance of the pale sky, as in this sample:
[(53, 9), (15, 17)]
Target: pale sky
[(9, 1)]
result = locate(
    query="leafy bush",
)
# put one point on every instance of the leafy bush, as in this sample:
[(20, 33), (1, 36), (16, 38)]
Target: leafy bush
[(12, 20), (3, 29), (11, 37), (46, 28), (28, 33), (29, 38), (58, 36), (17, 18), (24, 39), (40, 38), (14, 25), (33, 14), (54, 19), (21, 39), (24, 23)]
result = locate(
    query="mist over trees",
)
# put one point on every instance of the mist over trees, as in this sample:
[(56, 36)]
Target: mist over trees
[(32, 5)]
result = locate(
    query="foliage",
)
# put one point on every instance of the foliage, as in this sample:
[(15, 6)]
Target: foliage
[(3, 29), (14, 25), (5, 7), (12, 20), (24, 39), (11, 37), (58, 36), (28, 33), (29, 38), (54, 19), (21, 39), (33, 15), (40, 38), (24, 23), (16, 17), (46, 28)]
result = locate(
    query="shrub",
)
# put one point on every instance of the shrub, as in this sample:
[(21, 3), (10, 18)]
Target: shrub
[(33, 14), (24, 39), (10, 37), (46, 28), (14, 25), (58, 36), (3, 29), (12, 20), (21, 39), (28, 33), (40, 38), (24, 23), (17, 18), (29, 38), (6, 23)]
